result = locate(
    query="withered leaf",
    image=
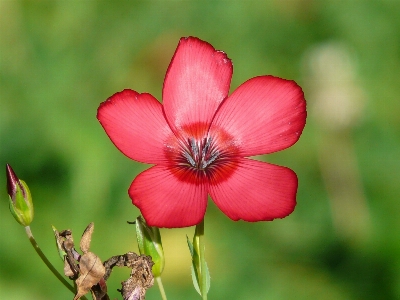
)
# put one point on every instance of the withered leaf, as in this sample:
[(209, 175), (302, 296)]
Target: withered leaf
[(141, 277), (91, 271), (65, 245), (67, 269), (86, 238), (140, 280), (59, 243), (99, 291)]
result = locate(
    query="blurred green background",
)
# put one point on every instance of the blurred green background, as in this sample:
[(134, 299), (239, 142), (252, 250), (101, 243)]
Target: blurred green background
[(60, 59)]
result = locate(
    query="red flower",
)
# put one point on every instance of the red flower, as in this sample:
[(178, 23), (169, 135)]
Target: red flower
[(199, 139)]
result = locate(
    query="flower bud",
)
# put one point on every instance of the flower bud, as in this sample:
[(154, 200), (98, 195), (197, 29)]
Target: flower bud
[(149, 242), (21, 205)]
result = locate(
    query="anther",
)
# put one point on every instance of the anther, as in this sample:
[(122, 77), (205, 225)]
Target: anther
[(189, 159), (200, 155), (195, 148)]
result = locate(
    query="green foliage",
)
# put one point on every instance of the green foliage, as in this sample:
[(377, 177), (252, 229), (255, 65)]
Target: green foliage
[(196, 269)]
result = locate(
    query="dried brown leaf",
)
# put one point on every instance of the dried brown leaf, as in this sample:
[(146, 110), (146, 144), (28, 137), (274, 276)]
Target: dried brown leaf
[(140, 280), (67, 269), (141, 277), (86, 238), (91, 271), (99, 291)]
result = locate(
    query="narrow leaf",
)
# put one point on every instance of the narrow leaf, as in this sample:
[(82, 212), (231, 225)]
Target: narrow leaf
[(190, 246), (195, 280)]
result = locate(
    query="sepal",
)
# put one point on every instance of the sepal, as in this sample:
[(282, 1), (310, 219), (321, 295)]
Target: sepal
[(149, 243), (20, 198)]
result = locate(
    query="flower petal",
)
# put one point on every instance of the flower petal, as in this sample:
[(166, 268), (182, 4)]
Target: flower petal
[(265, 114), (167, 201), (136, 125), (255, 191), (197, 81)]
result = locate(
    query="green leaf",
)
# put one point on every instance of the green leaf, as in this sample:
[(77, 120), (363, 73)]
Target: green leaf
[(195, 280), (196, 268), (208, 277), (60, 249), (190, 246)]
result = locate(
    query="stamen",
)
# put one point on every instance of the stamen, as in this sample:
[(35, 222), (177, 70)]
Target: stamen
[(206, 146), (189, 159), (206, 163), (200, 155), (195, 148)]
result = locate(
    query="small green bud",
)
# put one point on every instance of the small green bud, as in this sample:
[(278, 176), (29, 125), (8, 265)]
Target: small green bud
[(21, 205), (149, 242)]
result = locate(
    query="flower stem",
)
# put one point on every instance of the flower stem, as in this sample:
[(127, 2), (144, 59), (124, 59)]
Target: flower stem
[(48, 263), (199, 233), (161, 288)]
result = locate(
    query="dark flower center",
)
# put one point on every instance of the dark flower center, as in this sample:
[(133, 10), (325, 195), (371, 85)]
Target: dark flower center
[(200, 155)]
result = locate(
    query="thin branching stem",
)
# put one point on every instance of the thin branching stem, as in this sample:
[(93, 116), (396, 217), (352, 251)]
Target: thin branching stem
[(203, 267), (48, 263), (161, 288)]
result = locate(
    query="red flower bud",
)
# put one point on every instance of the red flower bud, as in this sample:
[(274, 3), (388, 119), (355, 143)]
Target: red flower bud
[(21, 205)]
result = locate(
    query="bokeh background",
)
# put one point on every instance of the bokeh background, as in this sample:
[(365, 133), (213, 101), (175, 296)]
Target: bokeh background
[(60, 59)]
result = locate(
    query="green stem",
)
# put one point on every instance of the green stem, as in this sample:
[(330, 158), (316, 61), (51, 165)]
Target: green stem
[(161, 287), (199, 234), (48, 263)]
